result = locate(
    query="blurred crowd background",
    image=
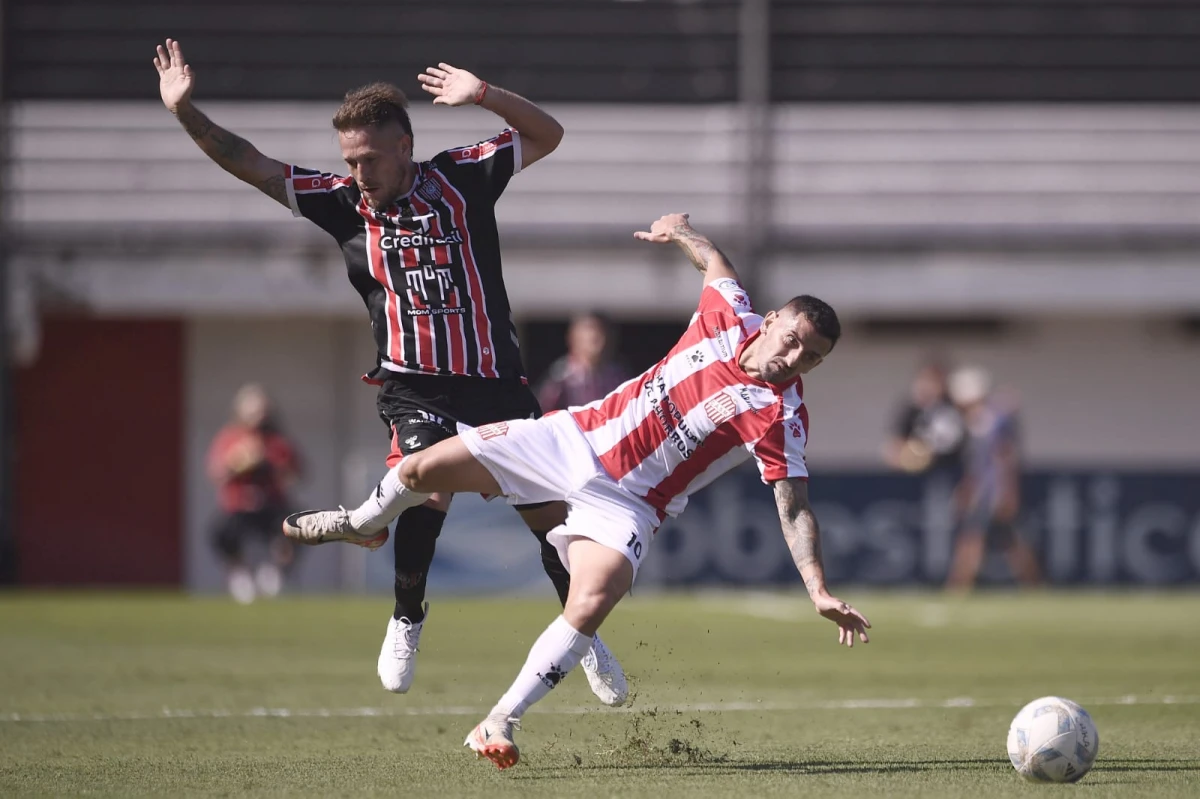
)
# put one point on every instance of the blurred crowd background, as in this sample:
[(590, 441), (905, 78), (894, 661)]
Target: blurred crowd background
[(1000, 198)]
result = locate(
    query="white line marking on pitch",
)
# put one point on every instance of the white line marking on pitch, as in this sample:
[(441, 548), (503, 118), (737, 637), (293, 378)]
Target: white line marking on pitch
[(703, 707)]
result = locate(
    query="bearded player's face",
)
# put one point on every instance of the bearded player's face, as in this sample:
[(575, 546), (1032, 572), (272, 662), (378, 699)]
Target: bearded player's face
[(789, 346), (379, 158)]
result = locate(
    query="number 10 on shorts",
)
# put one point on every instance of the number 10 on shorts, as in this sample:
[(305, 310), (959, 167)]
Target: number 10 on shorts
[(635, 545)]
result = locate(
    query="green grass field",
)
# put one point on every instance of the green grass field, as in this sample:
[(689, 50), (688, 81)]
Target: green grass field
[(736, 695)]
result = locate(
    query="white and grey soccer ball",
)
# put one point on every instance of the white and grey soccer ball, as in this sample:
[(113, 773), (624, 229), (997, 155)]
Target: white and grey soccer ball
[(1052, 740)]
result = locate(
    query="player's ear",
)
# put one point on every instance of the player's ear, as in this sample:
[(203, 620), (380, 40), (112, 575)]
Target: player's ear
[(769, 319)]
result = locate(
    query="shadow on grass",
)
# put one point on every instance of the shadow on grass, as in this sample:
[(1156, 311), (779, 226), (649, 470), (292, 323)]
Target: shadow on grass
[(893, 767), (800, 767), (726, 766), (1146, 764)]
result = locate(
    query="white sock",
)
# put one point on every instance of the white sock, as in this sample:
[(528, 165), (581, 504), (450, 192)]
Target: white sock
[(558, 650), (389, 499)]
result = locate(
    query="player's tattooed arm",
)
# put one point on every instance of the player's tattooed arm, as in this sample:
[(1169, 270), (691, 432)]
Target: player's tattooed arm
[(803, 538), (802, 533), (234, 154), (704, 255), (699, 250)]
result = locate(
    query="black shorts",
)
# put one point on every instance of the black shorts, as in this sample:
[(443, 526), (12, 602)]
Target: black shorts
[(421, 410), (233, 531)]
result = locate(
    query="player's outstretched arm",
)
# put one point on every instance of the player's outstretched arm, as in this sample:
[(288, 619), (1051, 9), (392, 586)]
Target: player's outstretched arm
[(703, 254), (540, 132), (803, 538), (232, 153)]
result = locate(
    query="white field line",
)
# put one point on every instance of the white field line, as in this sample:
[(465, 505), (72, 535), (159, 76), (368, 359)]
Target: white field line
[(702, 707)]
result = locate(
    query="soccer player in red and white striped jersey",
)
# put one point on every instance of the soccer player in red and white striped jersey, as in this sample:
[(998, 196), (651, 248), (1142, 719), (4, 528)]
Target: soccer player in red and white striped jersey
[(729, 390), (421, 247)]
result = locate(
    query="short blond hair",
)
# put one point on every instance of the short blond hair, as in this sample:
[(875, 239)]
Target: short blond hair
[(373, 104)]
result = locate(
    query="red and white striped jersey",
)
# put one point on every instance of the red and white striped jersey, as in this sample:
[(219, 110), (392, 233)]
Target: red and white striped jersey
[(428, 267), (696, 414)]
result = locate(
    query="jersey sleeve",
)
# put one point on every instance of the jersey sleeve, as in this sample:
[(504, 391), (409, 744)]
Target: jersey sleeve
[(725, 296), (780, 452), (485, 167), (326, 199)]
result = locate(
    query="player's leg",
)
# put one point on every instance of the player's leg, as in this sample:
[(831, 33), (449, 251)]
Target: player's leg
[(970, 546), (969, 549), (228, 539), (541, 518), (1021, 558), (448, 467), (263, 526), (603, 671), (600, 577), (604, 674), (420, 411), (413, 549), (366, 525)]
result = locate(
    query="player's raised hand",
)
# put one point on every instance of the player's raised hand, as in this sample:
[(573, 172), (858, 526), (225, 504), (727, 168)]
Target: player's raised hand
[(848, 620), (175, 77), (450, 85), (664, 228)]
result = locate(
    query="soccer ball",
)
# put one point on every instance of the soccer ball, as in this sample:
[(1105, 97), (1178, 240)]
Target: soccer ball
[(1052, 740)]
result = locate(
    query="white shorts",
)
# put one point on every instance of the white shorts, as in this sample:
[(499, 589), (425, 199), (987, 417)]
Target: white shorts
[(548, 459)]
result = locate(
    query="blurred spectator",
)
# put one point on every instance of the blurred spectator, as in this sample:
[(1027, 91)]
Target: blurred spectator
[(928, 434), (586, 372), (253, 466), (989, 495)]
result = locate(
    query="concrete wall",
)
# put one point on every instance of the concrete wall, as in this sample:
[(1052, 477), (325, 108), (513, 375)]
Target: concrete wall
[(311, 367)]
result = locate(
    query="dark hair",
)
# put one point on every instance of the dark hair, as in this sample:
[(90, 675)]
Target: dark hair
[(374, 104), (818, 313), (599, 317)]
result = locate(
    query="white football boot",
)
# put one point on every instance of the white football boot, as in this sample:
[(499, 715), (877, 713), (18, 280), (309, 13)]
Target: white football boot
[(398, 656), (493, 738), (314, 527), (604, 674)]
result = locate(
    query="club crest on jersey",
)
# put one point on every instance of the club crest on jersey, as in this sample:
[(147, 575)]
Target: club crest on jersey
[(796, 428), (494, 430), (430, 191), (720, 409)]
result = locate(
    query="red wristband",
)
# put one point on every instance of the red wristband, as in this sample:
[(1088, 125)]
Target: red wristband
[(482, 92)]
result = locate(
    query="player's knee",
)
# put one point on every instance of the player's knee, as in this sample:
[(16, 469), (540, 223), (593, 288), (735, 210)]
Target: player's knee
[(415, 472), (587, 607)]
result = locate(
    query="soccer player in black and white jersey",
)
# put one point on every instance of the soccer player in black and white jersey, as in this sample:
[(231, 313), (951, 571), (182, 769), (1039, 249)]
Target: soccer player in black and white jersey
[(421, 247)]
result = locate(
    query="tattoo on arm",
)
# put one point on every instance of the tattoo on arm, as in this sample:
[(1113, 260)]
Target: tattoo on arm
[(226, 148), (232, 153), (802, 534), (274, 187), (700, 251)]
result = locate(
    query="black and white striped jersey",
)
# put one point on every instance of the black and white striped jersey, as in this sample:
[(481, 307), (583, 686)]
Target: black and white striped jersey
[(428, 267)]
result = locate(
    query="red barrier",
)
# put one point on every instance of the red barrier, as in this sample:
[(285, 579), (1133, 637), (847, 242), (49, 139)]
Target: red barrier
[(99, 454)]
